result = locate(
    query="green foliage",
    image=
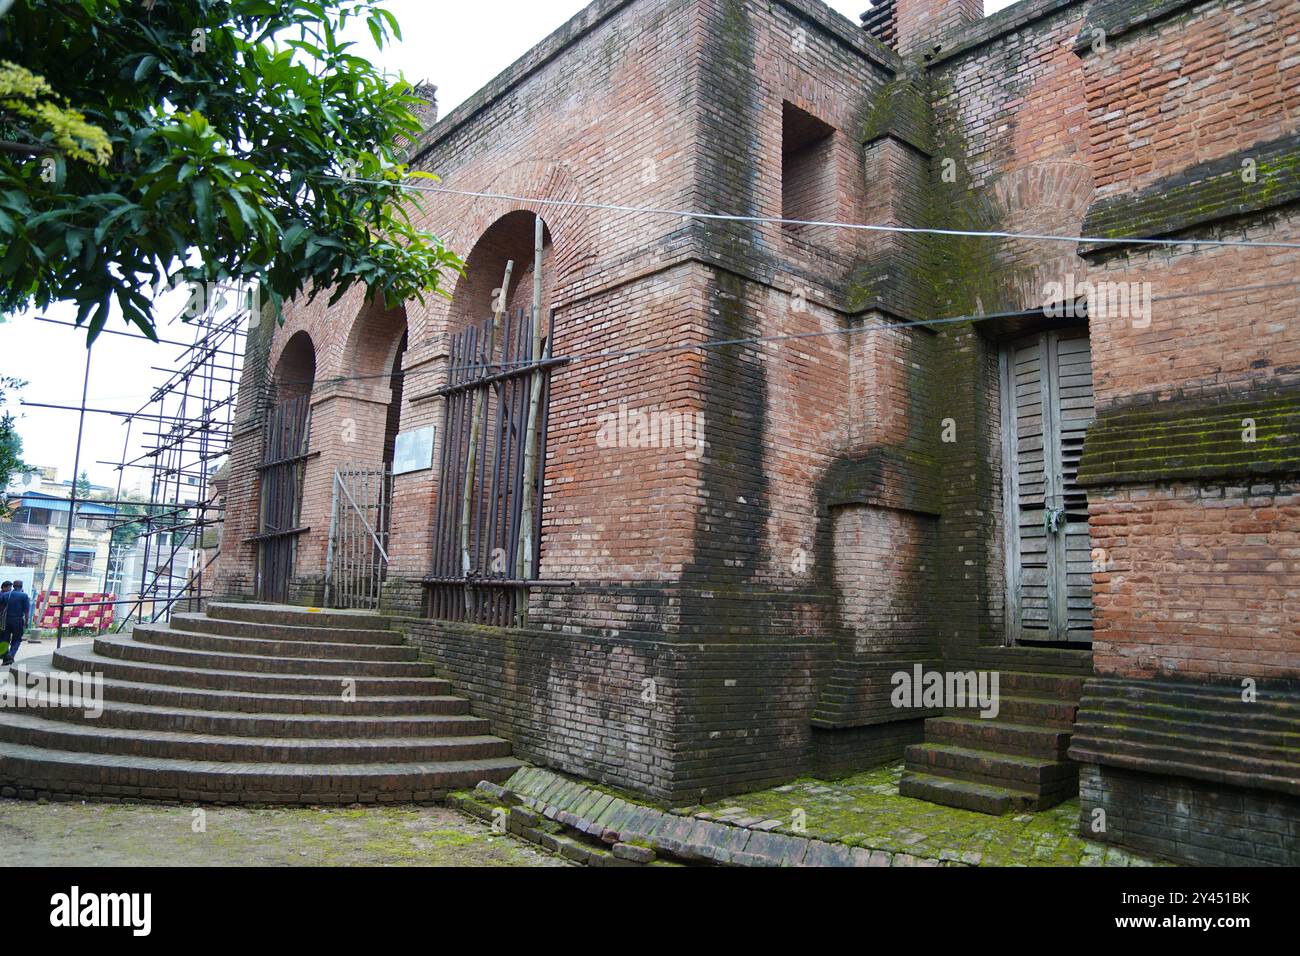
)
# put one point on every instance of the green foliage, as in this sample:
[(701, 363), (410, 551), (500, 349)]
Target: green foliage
[(232, 124), (11, 443), (28, 96)]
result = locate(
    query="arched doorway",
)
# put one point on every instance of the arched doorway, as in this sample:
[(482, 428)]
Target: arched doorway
[(285, 439), (370, 412), (487, 521), (511, 238)]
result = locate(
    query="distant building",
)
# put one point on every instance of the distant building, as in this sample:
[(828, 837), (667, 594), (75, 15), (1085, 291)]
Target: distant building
[(35, 536)]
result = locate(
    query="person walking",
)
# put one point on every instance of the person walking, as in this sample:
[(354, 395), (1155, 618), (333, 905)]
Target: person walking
[(17, 608), (6, 588)]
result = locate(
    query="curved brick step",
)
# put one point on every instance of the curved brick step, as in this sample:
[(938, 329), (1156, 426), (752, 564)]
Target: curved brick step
[(1048, 781), (131, 650), (172, 675), (224, 644), (32, 729), (964, 794), (290, 712), (203, 624), (301, 617), (147, 718), (231, 702), (33, 771)]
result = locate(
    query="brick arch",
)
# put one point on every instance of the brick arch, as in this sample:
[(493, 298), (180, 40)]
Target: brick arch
[(1050, 197), (295, 367), (371, 350), (553, 180), (510, 238)]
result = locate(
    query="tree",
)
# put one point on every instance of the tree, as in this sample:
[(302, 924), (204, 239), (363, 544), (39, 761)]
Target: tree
[(11, 443), (83, 485), (148, 144)]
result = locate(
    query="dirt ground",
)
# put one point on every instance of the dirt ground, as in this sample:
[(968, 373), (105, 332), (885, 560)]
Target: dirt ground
[(90, 834)]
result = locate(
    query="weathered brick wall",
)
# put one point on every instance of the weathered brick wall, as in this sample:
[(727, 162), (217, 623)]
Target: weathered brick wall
[(682, 723), (1189, 821), (823, 459), (1210, 80), (1199, 580)]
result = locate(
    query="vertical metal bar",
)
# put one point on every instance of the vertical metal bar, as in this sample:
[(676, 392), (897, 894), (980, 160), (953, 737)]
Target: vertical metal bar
[(72, 499)]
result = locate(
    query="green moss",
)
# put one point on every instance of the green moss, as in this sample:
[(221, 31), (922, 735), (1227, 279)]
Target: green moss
[(865, 810)]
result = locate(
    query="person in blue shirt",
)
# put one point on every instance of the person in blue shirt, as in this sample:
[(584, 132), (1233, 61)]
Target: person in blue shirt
[(17, 608), (5, 590)]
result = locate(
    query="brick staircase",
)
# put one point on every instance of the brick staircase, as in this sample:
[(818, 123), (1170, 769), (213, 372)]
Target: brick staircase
[(1013, 762), (248, 704)]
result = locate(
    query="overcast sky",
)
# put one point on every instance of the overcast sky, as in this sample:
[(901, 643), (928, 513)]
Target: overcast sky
[(458, 47)]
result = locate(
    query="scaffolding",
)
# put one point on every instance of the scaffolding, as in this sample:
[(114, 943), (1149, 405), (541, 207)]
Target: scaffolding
[(185, 428)]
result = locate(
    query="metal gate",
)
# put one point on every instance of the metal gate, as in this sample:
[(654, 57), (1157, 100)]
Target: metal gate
[(357, 560), (284, 457), (487, 523)]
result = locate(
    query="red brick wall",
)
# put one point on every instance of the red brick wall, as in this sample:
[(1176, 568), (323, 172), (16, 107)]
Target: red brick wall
[(1198, 581), (1216, 79)]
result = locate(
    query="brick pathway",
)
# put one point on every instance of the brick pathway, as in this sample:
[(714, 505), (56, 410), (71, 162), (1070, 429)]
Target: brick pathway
[(89, 834), (866, 810)]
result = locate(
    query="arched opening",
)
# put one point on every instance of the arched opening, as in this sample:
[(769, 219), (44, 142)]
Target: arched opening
[(510, 238), (393, 423), (369, 410), (295, 373), (488, 513), (286, 432)]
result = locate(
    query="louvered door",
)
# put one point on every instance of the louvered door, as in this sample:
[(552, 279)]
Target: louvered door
[(1046, 409)]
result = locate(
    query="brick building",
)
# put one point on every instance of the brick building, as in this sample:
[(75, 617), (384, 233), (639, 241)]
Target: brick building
[(945, 453)]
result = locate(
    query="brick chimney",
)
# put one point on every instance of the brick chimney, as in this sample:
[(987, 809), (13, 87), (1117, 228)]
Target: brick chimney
[(914, 26), (428, 115)]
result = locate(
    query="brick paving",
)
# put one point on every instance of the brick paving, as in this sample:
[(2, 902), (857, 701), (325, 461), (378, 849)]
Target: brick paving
[(94, 834), (866, 810)]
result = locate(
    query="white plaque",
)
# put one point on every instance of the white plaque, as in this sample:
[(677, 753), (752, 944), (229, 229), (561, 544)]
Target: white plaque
[(414, 450)]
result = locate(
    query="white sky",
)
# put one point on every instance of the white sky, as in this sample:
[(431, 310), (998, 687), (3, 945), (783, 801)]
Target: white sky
[(458, 47)]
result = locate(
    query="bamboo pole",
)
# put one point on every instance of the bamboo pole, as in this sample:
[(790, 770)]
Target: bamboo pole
[(524, 569), (476, 426)]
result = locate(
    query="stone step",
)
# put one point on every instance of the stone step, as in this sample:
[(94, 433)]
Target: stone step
[(84, 658), (34, 771), (281, 632), (1045, 779), (964, 794), (1036, 711), (998, 735), (1041, 685), (258, 705), (224, 644), (131, 650), (181, 698), (30, 729), (297, 616), (189, 719)]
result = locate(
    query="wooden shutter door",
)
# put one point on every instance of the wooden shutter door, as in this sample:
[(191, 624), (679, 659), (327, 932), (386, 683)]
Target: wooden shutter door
[(1047, 407)]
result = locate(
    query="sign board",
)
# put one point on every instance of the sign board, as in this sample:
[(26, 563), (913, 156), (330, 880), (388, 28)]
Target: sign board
[(414, 450)]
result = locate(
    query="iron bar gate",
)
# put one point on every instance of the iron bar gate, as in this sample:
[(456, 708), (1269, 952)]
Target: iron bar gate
[(357, 561), (477, 520), (284, 458)]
